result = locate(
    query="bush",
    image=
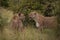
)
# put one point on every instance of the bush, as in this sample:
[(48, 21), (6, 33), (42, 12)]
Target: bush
[(4, 3), (3, 22)]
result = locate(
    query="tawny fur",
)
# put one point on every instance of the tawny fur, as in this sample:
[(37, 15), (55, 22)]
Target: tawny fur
[(17, 21), (47, 22)]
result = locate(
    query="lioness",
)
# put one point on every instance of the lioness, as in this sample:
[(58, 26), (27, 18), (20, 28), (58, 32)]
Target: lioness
[(42, 21), (17, 21)]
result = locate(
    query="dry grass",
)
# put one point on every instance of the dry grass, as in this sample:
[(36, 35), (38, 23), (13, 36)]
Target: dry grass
[(29, 33)]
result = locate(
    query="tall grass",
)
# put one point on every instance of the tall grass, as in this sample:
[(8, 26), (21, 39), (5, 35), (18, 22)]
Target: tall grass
[(29, 32)]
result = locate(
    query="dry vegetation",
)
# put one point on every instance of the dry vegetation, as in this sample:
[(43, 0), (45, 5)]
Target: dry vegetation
[(29, 32), (45, 7)]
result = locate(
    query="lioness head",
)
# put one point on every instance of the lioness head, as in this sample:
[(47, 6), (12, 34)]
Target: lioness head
[(21, 16), (33, 15), (38, 18)]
